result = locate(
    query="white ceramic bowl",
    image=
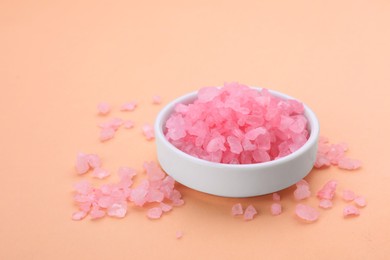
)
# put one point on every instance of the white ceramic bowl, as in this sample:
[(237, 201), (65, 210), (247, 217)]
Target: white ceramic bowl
[(234, 180)]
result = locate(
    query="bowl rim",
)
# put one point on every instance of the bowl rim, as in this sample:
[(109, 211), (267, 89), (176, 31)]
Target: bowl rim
[(167, 109)]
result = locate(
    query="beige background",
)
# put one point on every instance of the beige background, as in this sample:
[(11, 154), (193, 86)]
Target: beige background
[(59, 59)]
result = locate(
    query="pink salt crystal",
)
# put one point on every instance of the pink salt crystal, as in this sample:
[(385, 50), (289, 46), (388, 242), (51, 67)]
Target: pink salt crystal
[(360, 201), (118, 210), (129, 106), (328, 190), (207, 94), (79, 215), (351, 210), (235, 144), (105, 201), (165, 207), (103, 108), (82, 165), (106, 134), (83, 187), (349, 164), (153, 171), (275, 196), (128, 124), (306, 213), (94, 161), (237, 209), (254, 133), (154, 213), (156, 100), (348, 195), (216, 144), (100, 173), (148, 131), (113, 123), (96, 213), (250, 212), (138, 194), (276, 209), (179, 234), (178, 202), (154, 196), (325, 204), (302, 191)]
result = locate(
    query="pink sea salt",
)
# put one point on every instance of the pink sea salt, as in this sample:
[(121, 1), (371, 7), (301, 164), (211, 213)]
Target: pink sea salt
[(103, 108), (328, 190), (276, 209), (306, 213), (236, 124), (118, 210), (154, 213), (156, 99), (113, 123), (82, 163), (106, 134), (349, 164), (129, 106), (148, 132), (165, 207), (275, 196), (302, 191), (250, 212), (325, 204), (79, 215), (348, 195), (94, 161), (179, 234), (128, 124), (237, 209), (100, 173), (360, 201), (350, 210)]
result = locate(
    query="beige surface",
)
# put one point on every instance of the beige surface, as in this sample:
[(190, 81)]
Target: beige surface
[(58, 60)]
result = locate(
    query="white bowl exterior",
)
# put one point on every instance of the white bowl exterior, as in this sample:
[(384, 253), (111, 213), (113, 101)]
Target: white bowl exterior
[(234, 180)]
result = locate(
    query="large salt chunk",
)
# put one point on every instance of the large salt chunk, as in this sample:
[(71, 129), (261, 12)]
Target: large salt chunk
[(306, 213), (276, 209), (237, 209), (325, 204), (348, 195), (129, 106), (148, 131), (302, 191), (154, 213), (103, 108), (360, 201), (350, 210), (82, 163), (118, 210)]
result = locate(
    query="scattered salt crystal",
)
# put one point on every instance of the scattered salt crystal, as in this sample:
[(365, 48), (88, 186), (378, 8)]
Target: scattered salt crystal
[(306, 213), (275, 196), (237, 209), (249, 212), (94, 161), (148, 131), (103, 108), (165, 207), (156, 99), (153, 171), (276, 209), (325, 204), (349, 164), (360, 201), (178, 202), (154, 213), (83, 187), (129, 106), (302, 191), (118, 210), (351, 210), (128, 124), (328, 190), (79, 215), (179, 234), (106, 134), (348, 195), (113, 123), (96, 213), (82, 165), (100, 173)]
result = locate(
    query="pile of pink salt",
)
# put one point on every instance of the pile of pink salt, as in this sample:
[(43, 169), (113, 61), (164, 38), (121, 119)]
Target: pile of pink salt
[(238, 125), (157, 190), (328, 154)]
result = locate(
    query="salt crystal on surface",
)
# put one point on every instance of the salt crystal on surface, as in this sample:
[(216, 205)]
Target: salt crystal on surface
[(165, 207), (128, 124), (328, 190), (249, 212), (96, 213), (276, 209), (118, 210), (179, 234), (82, 165), (148, 131), (351, 210), (237, 209), (113, 123), (360, 201), (302, 191), (154, 213), (94, 161), (306, 213), (275, 196), (349, 164), (325, 204), (106, 134), (348, 195), (153, 171), (79, 215), (103, 108), (129, 106), (100, 173), (156, 99)]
